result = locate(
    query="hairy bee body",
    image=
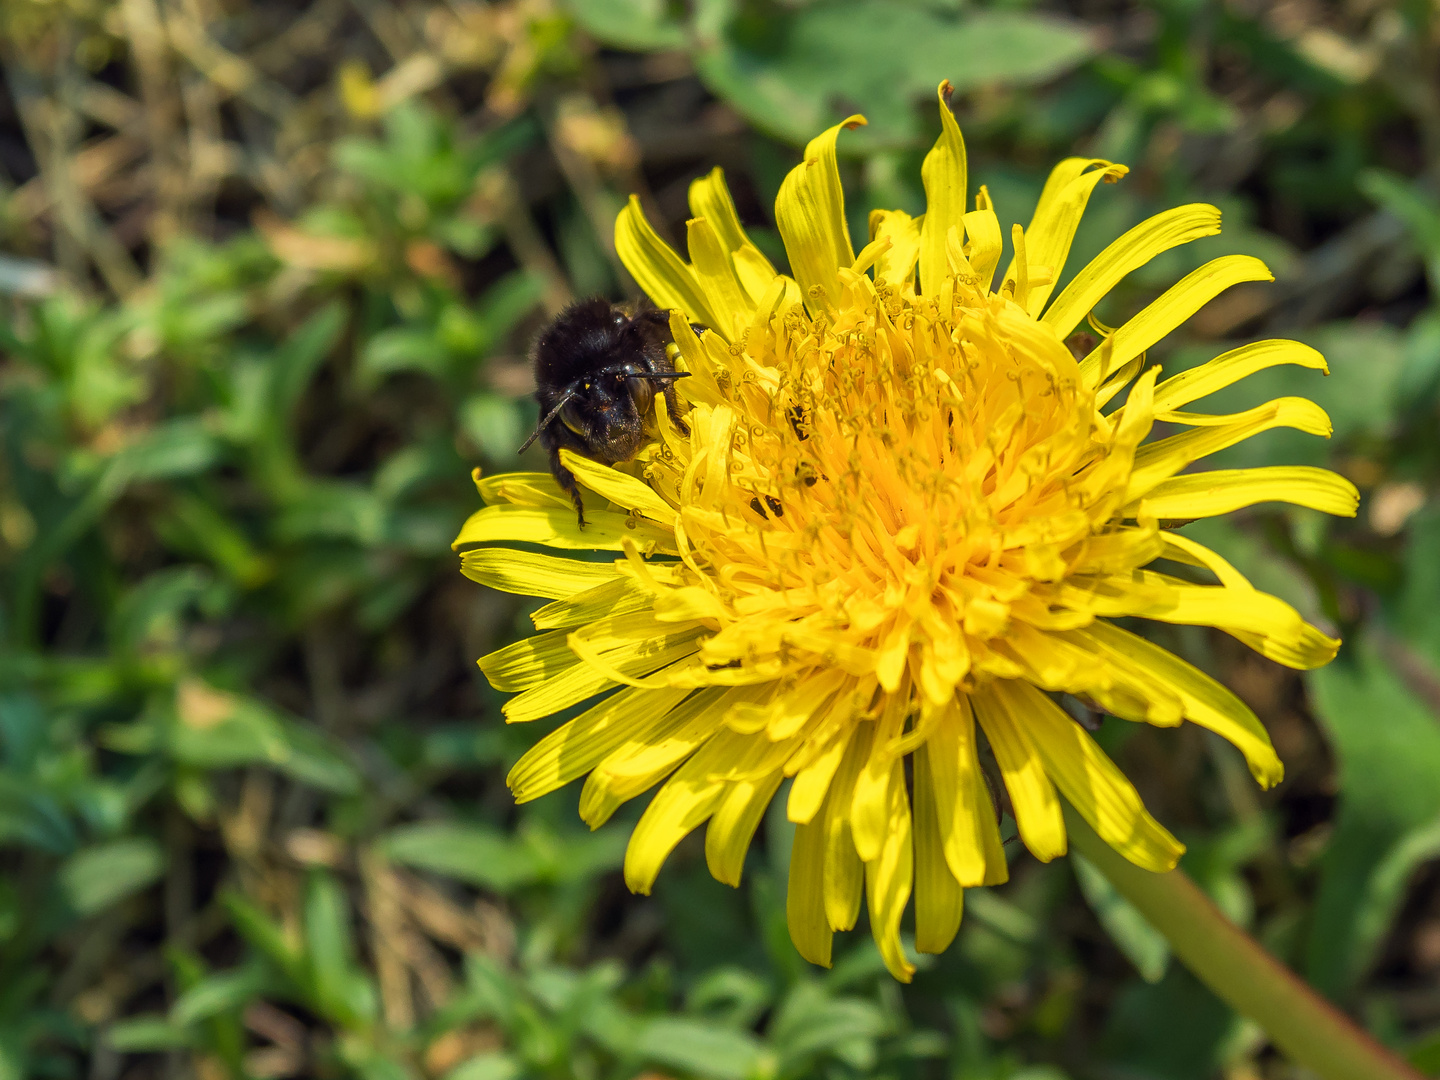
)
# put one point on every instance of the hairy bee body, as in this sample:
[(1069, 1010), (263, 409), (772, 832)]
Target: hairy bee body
[(596, 370)]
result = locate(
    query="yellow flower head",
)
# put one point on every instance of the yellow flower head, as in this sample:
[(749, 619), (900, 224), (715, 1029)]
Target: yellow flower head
[(901, 508)]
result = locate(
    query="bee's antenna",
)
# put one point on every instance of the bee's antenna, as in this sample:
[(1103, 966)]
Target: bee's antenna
[(545, 422), (665, 376)]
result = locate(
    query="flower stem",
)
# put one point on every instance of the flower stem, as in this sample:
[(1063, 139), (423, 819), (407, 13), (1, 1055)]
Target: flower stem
[(1310, 1030)]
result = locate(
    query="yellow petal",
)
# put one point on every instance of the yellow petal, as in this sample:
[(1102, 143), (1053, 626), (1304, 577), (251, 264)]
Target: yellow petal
[(968, 831), (727, 838), (620, 596), (638, 764), (813, 781), (983, 241), (528, 662), (1055, 662), (1221, 491), (1231, 367), (1001, 713), (621, 636), (568, 688), (1092, 783), (530, 574), (710, 199), (939, 899), (716, 272), (1133, 250), (889, 877), (892, 654), (664, 276), (620, 488), (687, 800), (805, 894), (944, 174), (1205, 701), (523, 489), (689, 603), (1160, 460), (896, 264), (844, 873), (1266, 623), (1290, 640), (810, 214), (575, 684), (867, 258), (575, 748), (1118, 550), (603, 530), (1057, 215), (1174, 306), (816, 695), (625, 647), (870, 809)]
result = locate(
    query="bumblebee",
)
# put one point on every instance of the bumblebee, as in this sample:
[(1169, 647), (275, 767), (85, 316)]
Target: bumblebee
[(597, 368)]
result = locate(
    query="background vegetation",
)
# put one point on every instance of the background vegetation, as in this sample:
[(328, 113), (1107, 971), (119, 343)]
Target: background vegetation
[(269, 273)]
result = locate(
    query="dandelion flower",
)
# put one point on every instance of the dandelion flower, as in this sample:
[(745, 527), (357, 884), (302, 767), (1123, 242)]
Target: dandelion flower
[(898, 519)]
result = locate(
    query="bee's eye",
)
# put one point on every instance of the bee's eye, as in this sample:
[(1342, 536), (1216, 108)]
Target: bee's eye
[(620, 318), (570, 417), (642, 393)]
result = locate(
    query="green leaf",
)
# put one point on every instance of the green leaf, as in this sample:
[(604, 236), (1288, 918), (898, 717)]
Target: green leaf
[(334, 509), (294, 363), (33, 817), (251, 732), (495, 1065), (639, 25), (23, 721), (403, 348), (147, 1034), (473, 853), (700, 1048), (494, 424), (1176, 1029), (97, 877), (1142, 944), (1416, 382), (261, 932), (342, 991), (1424, 1054), (1418, 615), (1413, 205), (1002, 916), (786, 73), (152, 609), (219, 993), (197, 526), (811, 1023), (505, 303), (176, 448), (1388, 749)]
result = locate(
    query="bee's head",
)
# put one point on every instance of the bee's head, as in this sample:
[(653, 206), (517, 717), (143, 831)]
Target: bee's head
[(606, 410), (596, 375)]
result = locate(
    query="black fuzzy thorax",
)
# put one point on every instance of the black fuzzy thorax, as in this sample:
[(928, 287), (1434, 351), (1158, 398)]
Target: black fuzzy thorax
[(581, 360)]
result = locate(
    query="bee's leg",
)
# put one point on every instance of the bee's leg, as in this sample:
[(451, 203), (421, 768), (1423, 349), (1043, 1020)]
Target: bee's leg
[(658, 360), (672, 406), (566, 479)]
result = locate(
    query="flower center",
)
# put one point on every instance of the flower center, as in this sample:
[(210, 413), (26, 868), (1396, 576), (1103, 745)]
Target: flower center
[(883, 486)]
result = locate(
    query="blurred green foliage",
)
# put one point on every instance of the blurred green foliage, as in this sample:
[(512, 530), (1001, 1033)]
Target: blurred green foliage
[(268, 275)]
